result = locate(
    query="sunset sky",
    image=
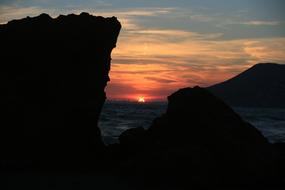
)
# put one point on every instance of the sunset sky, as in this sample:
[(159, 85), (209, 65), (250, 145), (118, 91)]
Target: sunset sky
[(169, 44)]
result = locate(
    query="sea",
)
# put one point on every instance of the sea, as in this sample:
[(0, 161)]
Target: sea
[(118, 116)]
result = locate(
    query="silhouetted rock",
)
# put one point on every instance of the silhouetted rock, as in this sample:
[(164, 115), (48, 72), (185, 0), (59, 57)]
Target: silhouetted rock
[(53, 74), (200, 141), (132, 136), (279, 163), (262, 85)]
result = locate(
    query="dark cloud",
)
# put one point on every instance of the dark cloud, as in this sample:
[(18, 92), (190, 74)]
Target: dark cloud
[(144, 60), (140, 72), (120, 87), (160, 80), (7, 2)]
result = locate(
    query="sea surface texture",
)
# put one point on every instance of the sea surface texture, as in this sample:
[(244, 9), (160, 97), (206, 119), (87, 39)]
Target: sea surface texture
[(118, 116)]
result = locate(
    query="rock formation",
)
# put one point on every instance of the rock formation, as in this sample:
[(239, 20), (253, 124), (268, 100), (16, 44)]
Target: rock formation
[(199, 141), (53, 74)]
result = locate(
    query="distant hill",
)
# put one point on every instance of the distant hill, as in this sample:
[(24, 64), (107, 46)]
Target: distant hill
[(262, 85)]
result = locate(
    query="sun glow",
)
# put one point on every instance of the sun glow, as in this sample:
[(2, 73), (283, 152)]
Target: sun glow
[(141, 100)]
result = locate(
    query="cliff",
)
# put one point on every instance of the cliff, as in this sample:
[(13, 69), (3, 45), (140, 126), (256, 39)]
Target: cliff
[(262, 85), (53, 74), (199, 142)]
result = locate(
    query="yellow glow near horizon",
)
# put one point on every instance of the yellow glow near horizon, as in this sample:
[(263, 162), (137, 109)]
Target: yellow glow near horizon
[(141, 100)]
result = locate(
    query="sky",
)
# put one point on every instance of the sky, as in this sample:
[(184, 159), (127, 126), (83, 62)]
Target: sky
[(165, 45)]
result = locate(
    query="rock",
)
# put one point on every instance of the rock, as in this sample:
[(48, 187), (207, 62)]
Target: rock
[(53, 75), (279, 164), (200, 141), (132, 139)]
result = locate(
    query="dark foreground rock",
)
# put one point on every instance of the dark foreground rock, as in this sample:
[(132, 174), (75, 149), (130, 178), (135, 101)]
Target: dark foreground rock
[(53, 74), (201, 142)]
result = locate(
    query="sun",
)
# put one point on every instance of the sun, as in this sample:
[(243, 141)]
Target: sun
[(141, 100)]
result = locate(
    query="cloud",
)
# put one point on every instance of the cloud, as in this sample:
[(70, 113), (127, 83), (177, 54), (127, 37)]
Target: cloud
[(160, 80), (201, 18), (266, 50), (129, 17), (189, 62), (8, 13), (139, 12), (159, 33), (261, 23)]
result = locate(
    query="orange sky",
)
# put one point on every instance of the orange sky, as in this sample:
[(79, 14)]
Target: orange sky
[(167, 45), (153, 61), (151, 66)]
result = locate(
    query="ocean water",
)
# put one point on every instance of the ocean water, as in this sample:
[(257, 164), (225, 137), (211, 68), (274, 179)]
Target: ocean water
[(270, 121), (119, 116)]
